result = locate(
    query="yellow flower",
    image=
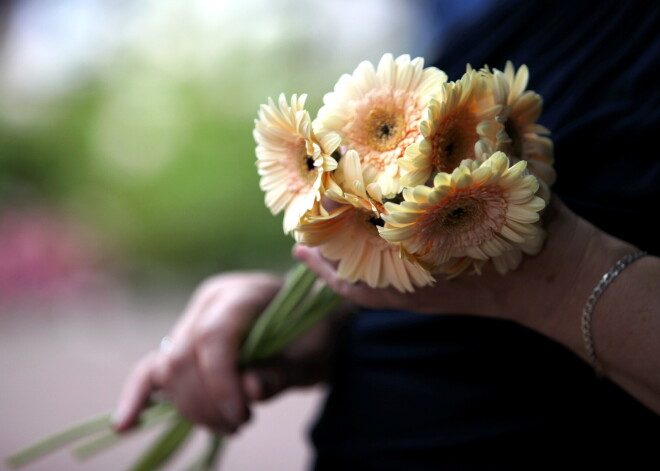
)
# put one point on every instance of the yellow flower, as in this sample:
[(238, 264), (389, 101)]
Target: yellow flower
[(349, 235), (460, 124), (481, 211), (522, 137), (377, 112), (291, 159)]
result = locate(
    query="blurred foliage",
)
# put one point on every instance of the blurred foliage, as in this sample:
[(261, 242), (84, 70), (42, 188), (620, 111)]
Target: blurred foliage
[(152, 146), (200, 211)]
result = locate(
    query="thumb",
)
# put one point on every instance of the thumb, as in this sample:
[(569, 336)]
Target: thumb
[(308, 360), (263, 381)]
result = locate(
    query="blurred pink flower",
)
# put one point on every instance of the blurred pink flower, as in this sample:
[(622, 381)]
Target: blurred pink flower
[(43, 254)]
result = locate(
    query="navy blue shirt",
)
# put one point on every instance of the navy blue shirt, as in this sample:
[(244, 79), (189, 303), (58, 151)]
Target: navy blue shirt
[(418, 392)]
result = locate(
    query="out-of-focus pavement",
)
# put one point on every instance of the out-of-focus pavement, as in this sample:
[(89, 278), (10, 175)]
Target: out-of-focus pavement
[(65, 361)]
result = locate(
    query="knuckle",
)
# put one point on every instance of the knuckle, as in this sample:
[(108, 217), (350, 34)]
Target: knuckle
[(210, 286), (343, 288), (218, 388), (143, 367), (176, 363), (172, 368), (166, 377), (210, 335), (216, 349)]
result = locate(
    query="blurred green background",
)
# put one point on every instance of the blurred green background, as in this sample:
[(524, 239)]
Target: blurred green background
[(126, 128)]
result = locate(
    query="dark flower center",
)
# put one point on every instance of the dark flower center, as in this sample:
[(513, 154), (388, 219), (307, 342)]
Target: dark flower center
[(456, 213), (462, 214), (454, 141), (377, 221), (384, 128)]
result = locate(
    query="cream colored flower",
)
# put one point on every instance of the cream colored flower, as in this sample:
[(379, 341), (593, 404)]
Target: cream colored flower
[(510, 260), (481, 211), (349, 234), (347, 185), (377, 113), (291, 159), (460, 124), (503, 263), (522, 137)]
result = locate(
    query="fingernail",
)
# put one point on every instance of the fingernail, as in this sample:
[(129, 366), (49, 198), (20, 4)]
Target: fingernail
[(299, 252), (118, 417), (229, 409)]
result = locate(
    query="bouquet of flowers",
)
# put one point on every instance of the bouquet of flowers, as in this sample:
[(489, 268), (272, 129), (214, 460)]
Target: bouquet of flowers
[(403, 176)]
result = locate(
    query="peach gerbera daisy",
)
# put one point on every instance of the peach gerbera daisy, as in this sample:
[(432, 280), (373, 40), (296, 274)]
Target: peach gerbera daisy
[(480, 210), (522, 137), (377, 112), (503, 263), (460, 124), (291, 159), (349, 234)]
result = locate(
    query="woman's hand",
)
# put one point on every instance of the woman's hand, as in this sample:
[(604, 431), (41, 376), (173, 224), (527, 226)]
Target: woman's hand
[(540, 284), (200, 374), (547, 293)]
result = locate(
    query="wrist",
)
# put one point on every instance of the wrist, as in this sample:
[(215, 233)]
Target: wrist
[(590, 255), (599, 290)]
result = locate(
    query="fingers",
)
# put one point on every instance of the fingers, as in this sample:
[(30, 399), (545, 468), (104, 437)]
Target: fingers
[(199, 303), (307, 361), (217, 340), (323, 268), (186, 388), (217, 349), (139, 385), (465, 295), (359, 293), (200, 374), (263, 382)]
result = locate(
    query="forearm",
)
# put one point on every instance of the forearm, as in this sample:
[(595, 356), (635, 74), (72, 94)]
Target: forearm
[(625, 322)]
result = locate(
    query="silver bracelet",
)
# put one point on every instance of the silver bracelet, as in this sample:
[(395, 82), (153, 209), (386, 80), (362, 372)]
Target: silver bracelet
[(589, 306)]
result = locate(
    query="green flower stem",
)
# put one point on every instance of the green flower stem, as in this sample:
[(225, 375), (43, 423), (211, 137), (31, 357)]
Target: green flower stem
[(298, 305), (213, 454), (322, 304), (60, 439), (149, 418), (208, 460), (292, 293), (165, 446), (295, 308), (313, 309)]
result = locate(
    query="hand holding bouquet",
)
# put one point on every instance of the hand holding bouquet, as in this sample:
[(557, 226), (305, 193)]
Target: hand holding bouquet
[(402, 177)]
